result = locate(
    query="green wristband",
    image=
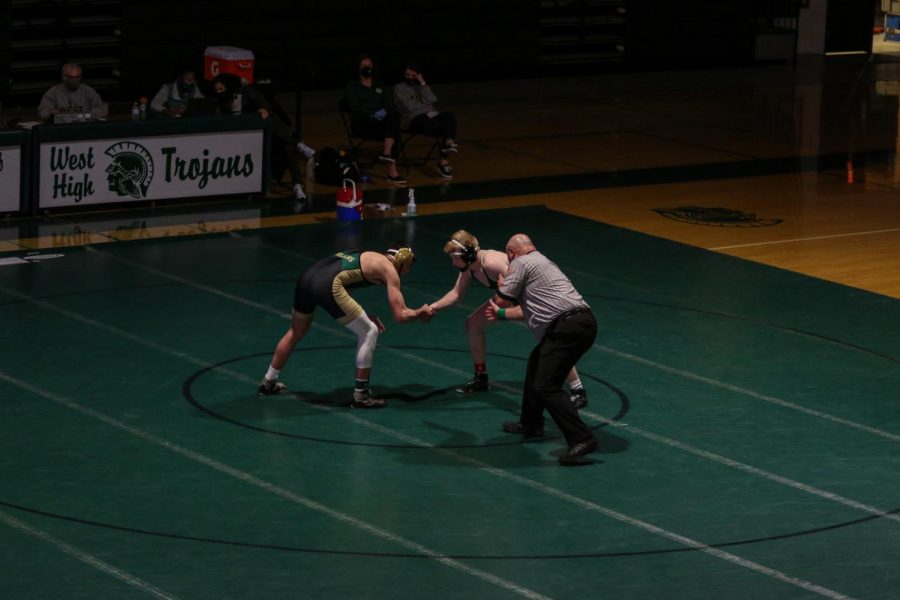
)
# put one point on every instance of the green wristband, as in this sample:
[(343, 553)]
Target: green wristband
[(501, 314)]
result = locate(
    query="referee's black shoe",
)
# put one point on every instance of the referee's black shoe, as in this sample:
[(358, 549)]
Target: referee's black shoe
[(516, 427), (573, 455)]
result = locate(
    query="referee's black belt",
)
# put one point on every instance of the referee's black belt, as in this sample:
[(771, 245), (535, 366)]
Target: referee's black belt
[(569, 314)]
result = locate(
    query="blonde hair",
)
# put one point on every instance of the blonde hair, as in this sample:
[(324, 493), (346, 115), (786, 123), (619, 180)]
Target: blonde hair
[(460, 238)]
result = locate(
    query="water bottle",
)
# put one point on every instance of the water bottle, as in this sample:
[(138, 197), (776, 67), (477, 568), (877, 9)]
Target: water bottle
[(142, 108), (411, 205), (236, 104), (135, 112)]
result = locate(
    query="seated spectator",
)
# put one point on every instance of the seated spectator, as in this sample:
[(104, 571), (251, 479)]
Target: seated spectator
[(372, 115), (231, 90), (415, 102), (173, 98), (72, 96)]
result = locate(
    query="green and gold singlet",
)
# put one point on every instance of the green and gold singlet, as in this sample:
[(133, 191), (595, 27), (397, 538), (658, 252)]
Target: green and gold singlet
[(326, 283)]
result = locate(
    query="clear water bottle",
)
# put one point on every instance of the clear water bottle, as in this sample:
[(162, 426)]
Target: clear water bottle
[(135, 112), (411, 205)]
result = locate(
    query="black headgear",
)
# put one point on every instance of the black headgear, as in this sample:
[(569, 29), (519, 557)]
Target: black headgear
[(468, 254)]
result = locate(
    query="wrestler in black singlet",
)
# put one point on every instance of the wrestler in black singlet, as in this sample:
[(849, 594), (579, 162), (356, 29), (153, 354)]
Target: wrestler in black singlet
[(326, 283)]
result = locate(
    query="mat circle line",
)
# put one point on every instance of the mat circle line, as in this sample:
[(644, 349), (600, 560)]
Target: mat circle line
[(187, 392)]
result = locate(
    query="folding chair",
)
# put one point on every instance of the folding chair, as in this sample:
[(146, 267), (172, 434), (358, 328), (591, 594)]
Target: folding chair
[(355, 143), (406, 137)]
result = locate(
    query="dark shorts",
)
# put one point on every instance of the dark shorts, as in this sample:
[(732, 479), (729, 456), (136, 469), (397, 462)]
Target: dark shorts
[(322, 285)]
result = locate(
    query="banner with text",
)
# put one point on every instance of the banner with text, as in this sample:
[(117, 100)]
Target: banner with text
[(150, 168), (10, 178)]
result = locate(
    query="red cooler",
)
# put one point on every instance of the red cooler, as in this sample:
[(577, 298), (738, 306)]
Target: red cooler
[(228, 59), (349, 202)]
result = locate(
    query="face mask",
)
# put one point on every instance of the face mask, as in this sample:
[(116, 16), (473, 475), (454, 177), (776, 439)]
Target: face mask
[(366, 71), (71, 85), (412, 81), (186, 89)]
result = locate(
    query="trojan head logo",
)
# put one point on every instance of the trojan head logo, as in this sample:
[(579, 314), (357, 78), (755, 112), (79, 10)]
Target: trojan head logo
[(131, 170), (716, 217)]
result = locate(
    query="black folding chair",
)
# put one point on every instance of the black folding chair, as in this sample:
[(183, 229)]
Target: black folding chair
[(354, 142), (406, 138)]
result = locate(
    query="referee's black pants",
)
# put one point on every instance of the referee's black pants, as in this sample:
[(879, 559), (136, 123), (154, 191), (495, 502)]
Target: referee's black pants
[(565, 341)]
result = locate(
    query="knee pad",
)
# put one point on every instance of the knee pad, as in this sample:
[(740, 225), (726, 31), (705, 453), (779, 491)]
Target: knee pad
[(366, 337)]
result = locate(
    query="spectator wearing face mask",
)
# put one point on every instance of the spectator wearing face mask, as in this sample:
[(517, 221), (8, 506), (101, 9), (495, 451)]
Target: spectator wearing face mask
[(235, 95), (72, 96), (415, 102), (173, 98), (373, 115)]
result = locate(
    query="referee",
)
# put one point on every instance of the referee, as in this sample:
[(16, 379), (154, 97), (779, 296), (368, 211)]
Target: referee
[(564, 325)]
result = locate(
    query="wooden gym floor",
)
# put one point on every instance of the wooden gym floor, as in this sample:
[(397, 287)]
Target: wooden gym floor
[(737, 234)]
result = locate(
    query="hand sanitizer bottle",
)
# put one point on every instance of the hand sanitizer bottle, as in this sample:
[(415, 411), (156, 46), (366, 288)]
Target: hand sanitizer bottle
[(411, 205)]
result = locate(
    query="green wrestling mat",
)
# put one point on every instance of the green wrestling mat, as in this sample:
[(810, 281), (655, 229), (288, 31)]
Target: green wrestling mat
[(748, 419)]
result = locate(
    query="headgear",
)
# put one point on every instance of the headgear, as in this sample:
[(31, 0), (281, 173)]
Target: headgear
[(402, 256), (468, 254)]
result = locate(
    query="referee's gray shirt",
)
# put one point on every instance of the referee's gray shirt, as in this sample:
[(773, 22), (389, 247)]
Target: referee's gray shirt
[(541, 289)]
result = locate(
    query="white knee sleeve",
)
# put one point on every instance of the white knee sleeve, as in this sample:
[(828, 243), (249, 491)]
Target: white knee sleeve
[(366, 337)]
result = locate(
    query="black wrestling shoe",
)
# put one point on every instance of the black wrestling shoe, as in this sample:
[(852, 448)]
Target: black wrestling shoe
[(364, 399), (574, 453), (479, 383), (516, 427), (270, 388), (578, 398)]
